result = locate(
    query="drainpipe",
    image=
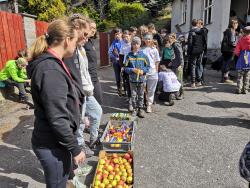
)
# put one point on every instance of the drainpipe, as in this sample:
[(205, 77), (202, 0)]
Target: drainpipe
[(191, 13)]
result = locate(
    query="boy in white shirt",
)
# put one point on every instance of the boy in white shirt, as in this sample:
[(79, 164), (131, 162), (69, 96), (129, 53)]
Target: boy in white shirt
[(170, 85)]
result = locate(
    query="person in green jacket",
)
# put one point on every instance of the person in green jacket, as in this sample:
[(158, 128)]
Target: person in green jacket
[(14, 74)]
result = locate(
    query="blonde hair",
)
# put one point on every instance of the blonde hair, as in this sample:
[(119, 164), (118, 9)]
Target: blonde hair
[(57, 31), (173, 36)]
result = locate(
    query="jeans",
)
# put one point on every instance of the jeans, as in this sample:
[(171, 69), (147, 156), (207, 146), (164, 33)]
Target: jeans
[(56, 164), (93, 110), (196, 68), (117, 70), (19, 85), (137, 95), (98, 92), (152, 81)]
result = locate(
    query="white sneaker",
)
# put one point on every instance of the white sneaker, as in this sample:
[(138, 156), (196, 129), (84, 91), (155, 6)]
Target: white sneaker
[(149, 109)]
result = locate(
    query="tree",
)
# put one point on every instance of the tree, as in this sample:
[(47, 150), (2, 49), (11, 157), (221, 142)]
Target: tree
[(45, 10)]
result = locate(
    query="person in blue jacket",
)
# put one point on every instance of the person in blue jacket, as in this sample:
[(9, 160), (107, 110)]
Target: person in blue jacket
[(114, 51), (136, 65)]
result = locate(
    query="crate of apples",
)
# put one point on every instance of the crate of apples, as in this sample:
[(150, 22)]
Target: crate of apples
[(118, 135), (114, 170)]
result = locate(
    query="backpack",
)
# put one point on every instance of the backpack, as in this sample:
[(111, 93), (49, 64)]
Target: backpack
[(244, 163), (243, 62)]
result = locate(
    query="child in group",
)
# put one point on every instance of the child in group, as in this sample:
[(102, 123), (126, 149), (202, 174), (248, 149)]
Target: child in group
[(169, 85), (125, 49), (167, 53), (14, 74), (152, 76), (242, 50), (113, 52), (137, 66), (177, 62)]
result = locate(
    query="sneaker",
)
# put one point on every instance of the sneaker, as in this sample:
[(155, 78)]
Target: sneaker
[(193, 85), (171, 99), (238, 91), (228, 81), (149, 109), (130, 108), (134, 113), (199, 84), (88, 152), (244, 91), (84, 170), (141, 113)]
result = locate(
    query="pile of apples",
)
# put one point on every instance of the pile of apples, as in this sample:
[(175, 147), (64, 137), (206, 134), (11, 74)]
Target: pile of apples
[(114, 171), (121, 133)]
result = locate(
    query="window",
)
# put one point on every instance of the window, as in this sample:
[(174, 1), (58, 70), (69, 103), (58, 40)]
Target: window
[(183, 11), (207, 15)]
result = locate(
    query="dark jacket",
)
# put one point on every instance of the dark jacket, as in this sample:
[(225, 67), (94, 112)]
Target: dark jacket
[(178, 54), (196, 41), (56, 104), (228, 43), (92, 59)]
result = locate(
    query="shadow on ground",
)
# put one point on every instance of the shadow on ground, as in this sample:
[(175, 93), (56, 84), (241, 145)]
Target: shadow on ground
[(225, 104), (220, 121), (16, 155), (12, 183)]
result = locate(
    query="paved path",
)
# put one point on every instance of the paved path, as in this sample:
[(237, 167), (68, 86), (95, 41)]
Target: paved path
[(195, 143)]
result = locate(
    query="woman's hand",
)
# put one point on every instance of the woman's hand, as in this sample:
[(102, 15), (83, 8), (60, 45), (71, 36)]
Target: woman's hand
[(80, 158)]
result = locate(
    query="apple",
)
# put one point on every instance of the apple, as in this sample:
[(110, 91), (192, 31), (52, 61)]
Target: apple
[(102, 185), (109, 186), (111, 177), (116, 160), (99, 177), (130, 160), (114, 155), (129, 171), (105, 176), (97, 183), (124, 174), (124, 160), (129, 179), (124, 178), (119, 186), (114, 183), (122, 167), (105, 172), (117, 178), (117, 170), (110, 168), (121, 182), (127, 156), (102, 162), (105, 181)]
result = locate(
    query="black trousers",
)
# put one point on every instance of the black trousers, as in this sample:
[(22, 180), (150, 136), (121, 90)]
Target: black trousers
[(56, 164), (126, 84), (165, 96)]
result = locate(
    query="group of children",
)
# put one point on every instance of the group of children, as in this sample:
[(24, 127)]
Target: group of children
[(140, 71)]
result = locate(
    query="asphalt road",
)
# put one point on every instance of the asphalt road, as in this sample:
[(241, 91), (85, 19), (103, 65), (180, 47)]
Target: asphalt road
[(195, 143)]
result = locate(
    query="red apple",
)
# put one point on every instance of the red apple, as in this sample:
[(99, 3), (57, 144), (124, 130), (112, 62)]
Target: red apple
[(127, 156)]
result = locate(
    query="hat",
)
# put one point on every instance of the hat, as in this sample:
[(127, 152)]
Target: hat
[(136, 40), (148, 37), (246, 29), (21, 61)]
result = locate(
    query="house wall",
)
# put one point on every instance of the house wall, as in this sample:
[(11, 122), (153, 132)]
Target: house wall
[(219, 19)]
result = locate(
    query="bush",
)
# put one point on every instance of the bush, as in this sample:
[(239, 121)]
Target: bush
[(127, 14), (106, 25)]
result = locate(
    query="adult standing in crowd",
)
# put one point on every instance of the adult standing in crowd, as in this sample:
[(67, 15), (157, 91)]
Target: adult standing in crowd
[(196, 45), (228, 45), (57, 103), (92, 62)]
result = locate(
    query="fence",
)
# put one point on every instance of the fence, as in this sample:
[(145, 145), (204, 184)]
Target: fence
[(11, 36), (17, 32)]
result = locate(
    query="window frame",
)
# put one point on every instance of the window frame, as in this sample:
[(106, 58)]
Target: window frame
[(208, 10), (183, 12)]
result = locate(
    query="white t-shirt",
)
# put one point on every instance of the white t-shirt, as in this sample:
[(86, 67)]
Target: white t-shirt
[(125, 49), (170, 82), (153, 56)]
